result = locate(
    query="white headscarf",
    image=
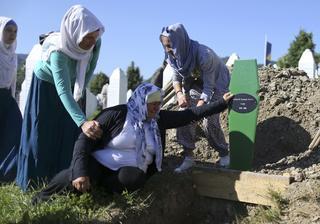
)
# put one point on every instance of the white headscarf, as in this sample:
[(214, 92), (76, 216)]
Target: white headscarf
[(8, 60), (76, 23)]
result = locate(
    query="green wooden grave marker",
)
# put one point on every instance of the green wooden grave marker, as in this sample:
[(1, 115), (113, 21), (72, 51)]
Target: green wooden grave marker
[(243, 113)]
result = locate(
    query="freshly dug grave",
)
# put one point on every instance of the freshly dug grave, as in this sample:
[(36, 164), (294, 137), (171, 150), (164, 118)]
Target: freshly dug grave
[(289, 117)]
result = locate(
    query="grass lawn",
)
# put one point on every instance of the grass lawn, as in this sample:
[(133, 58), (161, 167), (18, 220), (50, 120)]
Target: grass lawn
[(97, 207)]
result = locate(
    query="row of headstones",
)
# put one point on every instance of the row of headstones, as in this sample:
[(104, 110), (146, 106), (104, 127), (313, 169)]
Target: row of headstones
[(119, 82), (306, 63)]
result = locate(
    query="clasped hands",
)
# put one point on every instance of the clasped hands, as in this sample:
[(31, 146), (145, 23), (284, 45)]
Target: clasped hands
[(92, 129)]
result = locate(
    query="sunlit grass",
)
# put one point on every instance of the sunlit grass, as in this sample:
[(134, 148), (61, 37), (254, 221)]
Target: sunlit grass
[(99, 206), (265, 214)]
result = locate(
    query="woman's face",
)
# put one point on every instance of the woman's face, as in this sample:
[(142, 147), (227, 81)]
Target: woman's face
[(9, 34), (89, 40), (167, 45), (153, 108)]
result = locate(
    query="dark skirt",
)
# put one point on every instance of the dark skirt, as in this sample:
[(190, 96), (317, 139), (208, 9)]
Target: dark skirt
[(47, 138), (11, 121)]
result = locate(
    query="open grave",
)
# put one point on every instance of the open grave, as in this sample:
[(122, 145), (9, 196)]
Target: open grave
[(289, 117)]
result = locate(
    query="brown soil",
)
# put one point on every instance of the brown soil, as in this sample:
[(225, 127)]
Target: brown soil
[(289, 117)]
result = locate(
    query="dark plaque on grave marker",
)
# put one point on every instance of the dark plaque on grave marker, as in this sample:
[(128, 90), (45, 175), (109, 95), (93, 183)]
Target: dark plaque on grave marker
[(244, 103)]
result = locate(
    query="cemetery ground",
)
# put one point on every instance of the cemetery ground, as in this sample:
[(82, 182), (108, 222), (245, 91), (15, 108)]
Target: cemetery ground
[(289, 117)]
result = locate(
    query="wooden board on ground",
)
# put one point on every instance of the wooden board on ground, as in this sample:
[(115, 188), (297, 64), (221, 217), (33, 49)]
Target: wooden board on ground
[(243, 113), (243, 186)]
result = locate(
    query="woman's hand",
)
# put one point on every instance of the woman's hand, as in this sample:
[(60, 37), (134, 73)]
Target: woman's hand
[(200, 103), (82, 184), (182, 100), (227, 97), (92, 129)]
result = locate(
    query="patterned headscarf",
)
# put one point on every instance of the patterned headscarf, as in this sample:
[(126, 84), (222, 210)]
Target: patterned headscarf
[(76, 24), (184, 49), (8, 58), (137, 111)]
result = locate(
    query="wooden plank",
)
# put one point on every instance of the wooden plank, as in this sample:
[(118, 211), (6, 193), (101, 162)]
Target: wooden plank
[(168, 93), (243, 186), (168, 97)]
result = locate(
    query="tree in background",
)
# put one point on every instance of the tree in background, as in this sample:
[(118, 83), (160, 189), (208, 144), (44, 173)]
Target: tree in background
[(97, 82), (303, 41), (134, 77)]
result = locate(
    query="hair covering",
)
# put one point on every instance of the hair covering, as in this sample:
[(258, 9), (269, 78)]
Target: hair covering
[(8, 58), (137, 112), (154, 97), (184, 49), (76, 24)]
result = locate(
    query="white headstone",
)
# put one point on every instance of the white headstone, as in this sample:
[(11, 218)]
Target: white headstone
[(91, 103), (117, 90), (33, 57), (233, 57), (307, 63), (129, 94), (102, 97), (167, 75)]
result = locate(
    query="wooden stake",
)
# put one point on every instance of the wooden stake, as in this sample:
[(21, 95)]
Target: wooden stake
[(315, 141)]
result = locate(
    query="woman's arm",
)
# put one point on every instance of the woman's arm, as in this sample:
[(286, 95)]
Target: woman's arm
[(84, 146), (61, 77), (60, 72), (175, 119), (209, 65)]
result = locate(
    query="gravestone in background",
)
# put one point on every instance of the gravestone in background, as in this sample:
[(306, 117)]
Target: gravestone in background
[(129, 94), (117, 89), (102, 97), (307, 63), (233, 57), (167, 75), (33, 57), (243, 113), (91, 103)]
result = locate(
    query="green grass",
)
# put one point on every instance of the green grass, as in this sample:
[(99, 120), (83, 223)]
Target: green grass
[(97, 207), (265, 214)]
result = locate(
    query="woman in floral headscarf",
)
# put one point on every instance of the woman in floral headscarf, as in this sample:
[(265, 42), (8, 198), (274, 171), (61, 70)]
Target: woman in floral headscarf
[(53, 119), (10, 116), (131, 148)]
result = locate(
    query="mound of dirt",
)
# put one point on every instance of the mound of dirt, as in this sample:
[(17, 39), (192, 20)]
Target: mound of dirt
[(289, 117)]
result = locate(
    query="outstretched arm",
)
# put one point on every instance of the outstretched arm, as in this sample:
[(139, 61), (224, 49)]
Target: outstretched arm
[(175, 119)]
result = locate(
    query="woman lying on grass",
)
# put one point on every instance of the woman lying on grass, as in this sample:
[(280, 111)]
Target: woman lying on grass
[(131, 148)]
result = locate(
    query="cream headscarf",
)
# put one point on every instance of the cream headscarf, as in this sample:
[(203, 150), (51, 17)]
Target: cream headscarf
[(76, 23), (8, 60)]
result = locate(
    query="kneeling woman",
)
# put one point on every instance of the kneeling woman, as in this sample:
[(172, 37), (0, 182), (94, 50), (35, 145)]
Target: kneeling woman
[(132, 145)]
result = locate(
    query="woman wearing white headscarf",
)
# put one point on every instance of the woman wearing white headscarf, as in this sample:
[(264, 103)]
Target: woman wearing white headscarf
[(10, 116), (132, 145), (53, 119), (199, 77)]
